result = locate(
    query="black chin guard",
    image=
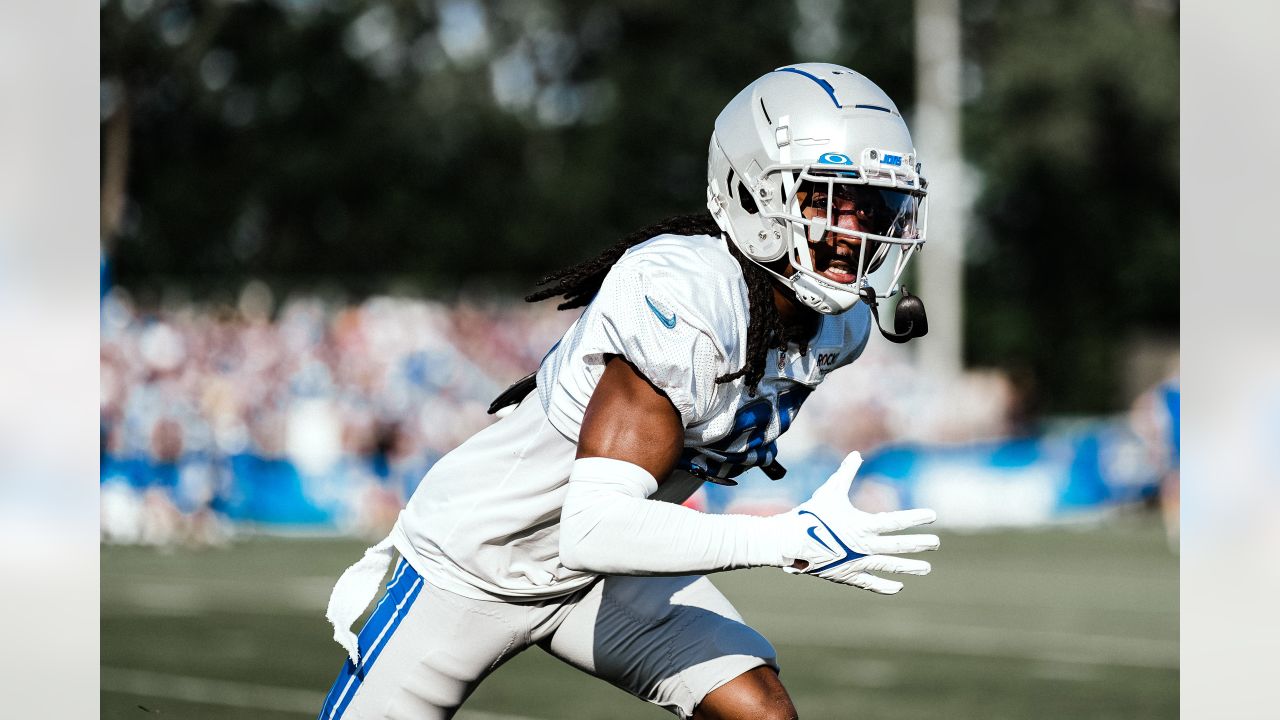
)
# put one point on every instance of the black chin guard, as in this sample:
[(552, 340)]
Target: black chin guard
[(909, 319)]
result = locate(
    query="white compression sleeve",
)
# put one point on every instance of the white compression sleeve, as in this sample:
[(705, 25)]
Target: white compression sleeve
[(609, 526)]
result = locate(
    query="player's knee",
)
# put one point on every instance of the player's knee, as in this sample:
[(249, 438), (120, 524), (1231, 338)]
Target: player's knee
[(752, 707), (772, 704), (768, 706), (754, 695)]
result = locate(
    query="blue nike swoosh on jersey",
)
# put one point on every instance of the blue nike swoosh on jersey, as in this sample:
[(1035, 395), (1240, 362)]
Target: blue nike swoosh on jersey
[(669, 322)]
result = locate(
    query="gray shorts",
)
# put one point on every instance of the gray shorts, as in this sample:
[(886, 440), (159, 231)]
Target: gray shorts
[(667, 640)]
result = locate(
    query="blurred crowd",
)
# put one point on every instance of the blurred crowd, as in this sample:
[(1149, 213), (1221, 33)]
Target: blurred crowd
[(208, 412), (374, 392)]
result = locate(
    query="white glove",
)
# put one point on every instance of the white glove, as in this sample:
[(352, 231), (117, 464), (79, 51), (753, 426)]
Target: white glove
[(843, 544)]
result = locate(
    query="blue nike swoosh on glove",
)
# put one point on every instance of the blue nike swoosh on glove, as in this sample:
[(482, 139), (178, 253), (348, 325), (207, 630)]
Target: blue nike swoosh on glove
[(814, 535), (670, 323), (849, 554)]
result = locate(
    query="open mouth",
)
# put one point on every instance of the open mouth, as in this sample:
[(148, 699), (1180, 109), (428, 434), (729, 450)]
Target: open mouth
[(840, 267)]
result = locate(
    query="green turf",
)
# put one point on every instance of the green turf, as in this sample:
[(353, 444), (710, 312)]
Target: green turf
[(1064, 623)]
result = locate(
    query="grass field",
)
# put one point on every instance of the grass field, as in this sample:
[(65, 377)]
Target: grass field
[(1063, 623)]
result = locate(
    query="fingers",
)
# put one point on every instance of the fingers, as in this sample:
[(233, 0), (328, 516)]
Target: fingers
[(901, 519), (875, 584), (895, 544), (851, 463), (842, 479), (889, 563)]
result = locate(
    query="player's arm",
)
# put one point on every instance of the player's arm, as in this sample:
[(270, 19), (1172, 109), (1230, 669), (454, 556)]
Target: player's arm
[(629, 419), (632, 434)]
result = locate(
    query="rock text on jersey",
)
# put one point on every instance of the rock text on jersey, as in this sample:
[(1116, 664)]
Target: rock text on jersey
[(827, 360)]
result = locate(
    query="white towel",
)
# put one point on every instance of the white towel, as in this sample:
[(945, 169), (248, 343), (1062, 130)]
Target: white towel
[(352, 593)]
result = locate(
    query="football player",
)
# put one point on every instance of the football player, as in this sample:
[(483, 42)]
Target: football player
[(560, 525)]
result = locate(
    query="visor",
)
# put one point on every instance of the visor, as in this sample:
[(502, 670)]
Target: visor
[(889, 213)]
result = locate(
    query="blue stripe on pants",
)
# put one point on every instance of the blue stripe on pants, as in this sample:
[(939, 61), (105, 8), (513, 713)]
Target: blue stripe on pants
[(402, 590)]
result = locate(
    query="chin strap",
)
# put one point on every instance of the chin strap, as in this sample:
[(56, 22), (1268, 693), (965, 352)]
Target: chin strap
[(909, 319)]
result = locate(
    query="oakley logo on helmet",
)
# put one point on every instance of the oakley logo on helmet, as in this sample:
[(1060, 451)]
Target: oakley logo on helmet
[(835, 159)]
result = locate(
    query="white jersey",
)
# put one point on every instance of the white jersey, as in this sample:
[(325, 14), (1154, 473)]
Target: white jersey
[(484, 522)]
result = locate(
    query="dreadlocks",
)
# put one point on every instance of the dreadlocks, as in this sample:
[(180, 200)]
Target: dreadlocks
[(579, 283)]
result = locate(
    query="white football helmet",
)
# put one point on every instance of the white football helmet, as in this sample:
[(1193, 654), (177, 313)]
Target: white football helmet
[(810, 131)]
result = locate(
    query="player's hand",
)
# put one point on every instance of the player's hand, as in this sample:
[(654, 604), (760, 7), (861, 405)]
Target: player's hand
[(843, 544)]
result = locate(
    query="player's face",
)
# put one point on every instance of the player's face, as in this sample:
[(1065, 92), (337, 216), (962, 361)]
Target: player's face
[(853, 207)]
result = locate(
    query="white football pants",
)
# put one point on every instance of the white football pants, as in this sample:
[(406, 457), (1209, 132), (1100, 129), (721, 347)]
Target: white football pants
[(667, 640)]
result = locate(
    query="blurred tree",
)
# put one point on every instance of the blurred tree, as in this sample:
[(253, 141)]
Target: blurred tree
[(1073, 124), (442, 141)]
